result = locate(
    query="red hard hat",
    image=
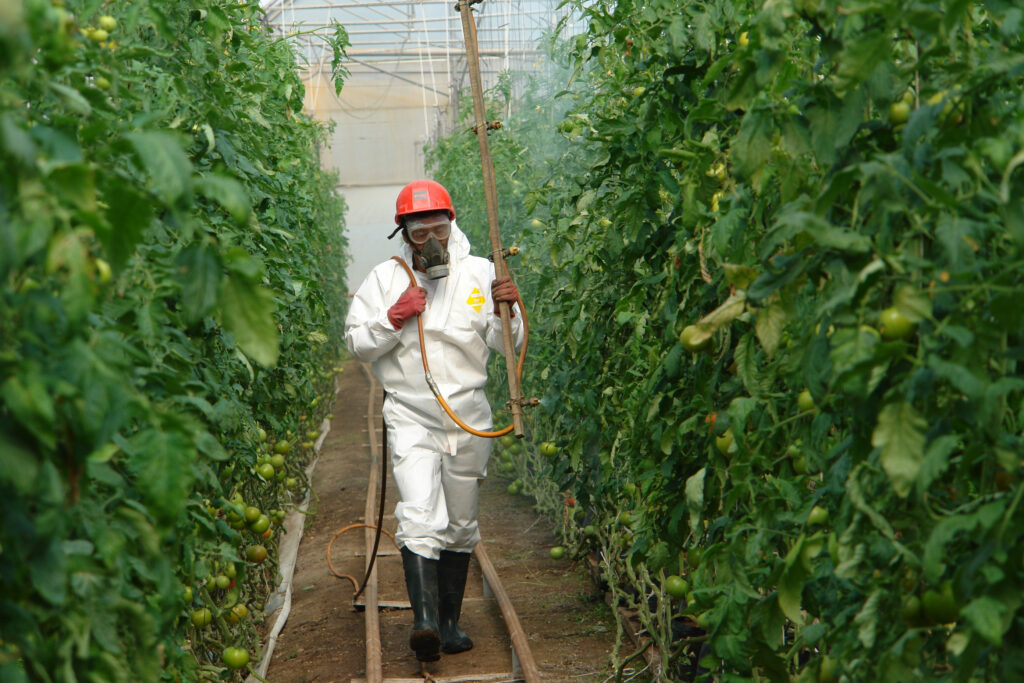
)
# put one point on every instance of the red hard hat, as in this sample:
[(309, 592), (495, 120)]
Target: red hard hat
[(423, 195)]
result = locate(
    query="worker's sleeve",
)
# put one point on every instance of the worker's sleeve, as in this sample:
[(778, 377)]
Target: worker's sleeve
[(368, 332), (494, 335)]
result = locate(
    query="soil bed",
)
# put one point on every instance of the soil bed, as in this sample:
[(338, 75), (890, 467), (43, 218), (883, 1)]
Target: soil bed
[(571, 630)]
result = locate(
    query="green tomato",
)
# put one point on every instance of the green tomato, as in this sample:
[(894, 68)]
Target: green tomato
[(103, 271), (277, 461), (940, 606), (805, 401), (686, 338), (676, 586), (235, 657), (818, 515), (827, 671), (894, 324), (107, 22), (222, 581), (266, 471), (557, 552), (252, 513), (899, 112), (256, 553), (724, 442), (911, 610), (261, 524), (202, 617)]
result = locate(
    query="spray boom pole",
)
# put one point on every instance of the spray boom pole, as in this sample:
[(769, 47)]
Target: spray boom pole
[(491, 194)]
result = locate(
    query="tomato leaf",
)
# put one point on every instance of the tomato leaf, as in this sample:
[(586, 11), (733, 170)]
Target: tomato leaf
[(72, 98), (199, 272), (730, 309), (913, 304), (781, 270), (49, 572), (130, 214), (753, 145), (247, 311), (769, 326), (745, 356), (31, 404), (20, 465), (695, 498), (960, 377), (833, 122), (161, 462), (867, 620), (942, 533), (860, 57), (165, 161), (899, 432), (227, 192), (956, 233), (936, 460), (739, 276), (791, 583), (987, 616)]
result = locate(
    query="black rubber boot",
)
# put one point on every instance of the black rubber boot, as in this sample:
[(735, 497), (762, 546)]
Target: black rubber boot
[(451, 577), (421, 582)]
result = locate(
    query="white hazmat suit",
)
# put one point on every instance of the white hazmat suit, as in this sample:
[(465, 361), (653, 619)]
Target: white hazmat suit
[(437, 466)]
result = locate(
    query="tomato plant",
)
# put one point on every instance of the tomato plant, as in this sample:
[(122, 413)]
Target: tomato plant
[(832, 203), (171, 293)]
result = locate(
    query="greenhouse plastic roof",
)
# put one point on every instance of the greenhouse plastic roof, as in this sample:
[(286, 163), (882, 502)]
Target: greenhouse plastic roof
[(419, 36)]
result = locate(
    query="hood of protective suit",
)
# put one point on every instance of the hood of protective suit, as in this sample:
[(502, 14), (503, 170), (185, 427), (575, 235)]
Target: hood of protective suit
[(458, 248)]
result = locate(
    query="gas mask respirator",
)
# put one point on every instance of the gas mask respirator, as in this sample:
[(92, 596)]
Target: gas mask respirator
[(434, 258)]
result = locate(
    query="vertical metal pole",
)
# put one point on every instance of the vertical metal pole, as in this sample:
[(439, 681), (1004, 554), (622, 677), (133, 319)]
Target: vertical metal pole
[(491, 195)]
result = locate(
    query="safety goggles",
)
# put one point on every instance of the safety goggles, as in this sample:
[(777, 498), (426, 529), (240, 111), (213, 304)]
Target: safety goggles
[(420, 229)]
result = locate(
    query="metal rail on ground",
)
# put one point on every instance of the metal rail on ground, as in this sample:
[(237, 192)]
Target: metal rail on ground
[(524, 665), (374, 668)]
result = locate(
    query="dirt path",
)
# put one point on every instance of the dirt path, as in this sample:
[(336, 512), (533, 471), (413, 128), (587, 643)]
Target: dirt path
[(571, 630)]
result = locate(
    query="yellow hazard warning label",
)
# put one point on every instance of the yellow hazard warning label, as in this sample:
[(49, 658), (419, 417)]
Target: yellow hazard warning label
[(476, 300)]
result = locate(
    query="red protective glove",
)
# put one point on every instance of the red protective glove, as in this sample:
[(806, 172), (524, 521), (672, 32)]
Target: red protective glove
[(504, 290), (412, 302)]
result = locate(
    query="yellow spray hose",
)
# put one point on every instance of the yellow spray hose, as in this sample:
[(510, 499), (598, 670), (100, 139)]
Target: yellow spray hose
[(433, 385)]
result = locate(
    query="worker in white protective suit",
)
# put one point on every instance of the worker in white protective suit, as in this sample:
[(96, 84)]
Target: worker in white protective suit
[(437, 466)]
